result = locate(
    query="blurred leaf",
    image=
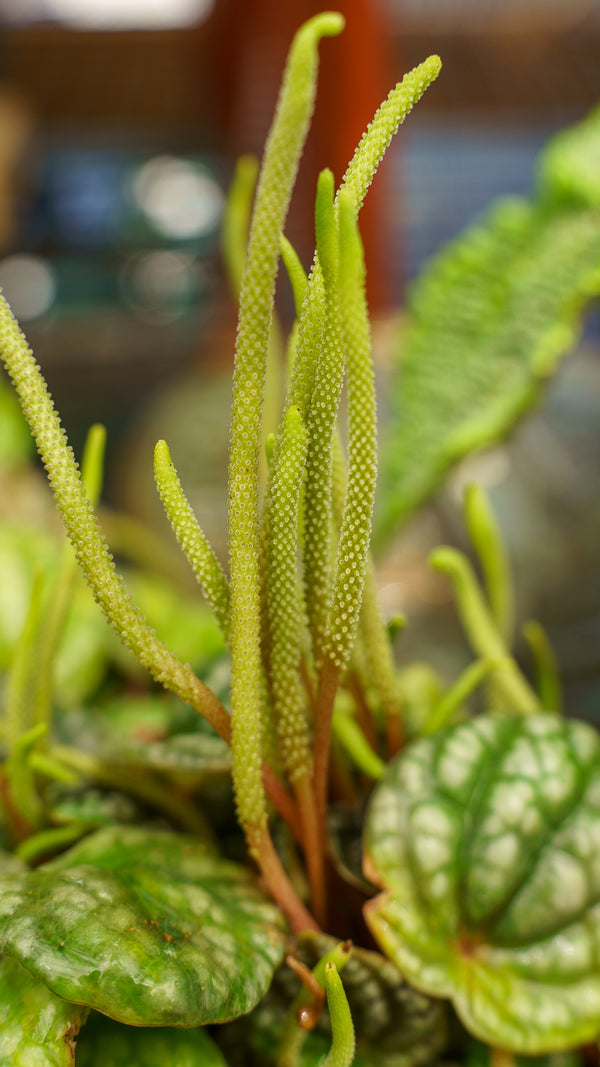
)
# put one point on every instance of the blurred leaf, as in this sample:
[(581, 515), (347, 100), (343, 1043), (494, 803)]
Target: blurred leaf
[(569, 166), (156, 732), (37, 1029), (485, 839), (16, 442), (105, 1043), (490, 318), (150, 928)]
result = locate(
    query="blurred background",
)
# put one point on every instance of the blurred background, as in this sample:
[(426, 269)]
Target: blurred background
[(120, 121)]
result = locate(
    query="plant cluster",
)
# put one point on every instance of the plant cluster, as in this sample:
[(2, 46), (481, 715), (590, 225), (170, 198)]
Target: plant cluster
[(125, 913)]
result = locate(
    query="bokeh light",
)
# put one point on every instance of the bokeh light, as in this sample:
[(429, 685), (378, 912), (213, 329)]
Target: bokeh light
[(180, 199), (29, 284), (110, 14)]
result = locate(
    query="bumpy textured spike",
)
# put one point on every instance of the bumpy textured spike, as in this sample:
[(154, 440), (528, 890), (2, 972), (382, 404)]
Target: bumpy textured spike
[(374, 142), (359, 175), (343, 1044), (308, 343), (355, 534), (63, 584), (284, 620), (256, 303), (83, 529), (206, 567), (295, 270), (321, 424), (377, 648)]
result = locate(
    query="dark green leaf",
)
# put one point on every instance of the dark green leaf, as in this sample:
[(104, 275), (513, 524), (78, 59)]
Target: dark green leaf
[(150, 928), (37, 1029), (104, 1043), (486, 840), (490, 318)]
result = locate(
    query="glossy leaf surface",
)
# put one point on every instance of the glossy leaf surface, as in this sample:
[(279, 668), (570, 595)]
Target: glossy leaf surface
[(148, 927), (105, 1043), (37, 1028), (486, 842)]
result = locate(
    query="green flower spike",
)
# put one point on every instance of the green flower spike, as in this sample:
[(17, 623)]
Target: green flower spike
[(548, 677), (60, 594), (84, 531), (353, 546), (236, 222), (482, 632), (355, 533), (487, 542), (285, 632), (191, 538), (276, 180), (321, 424), (306, 1006)]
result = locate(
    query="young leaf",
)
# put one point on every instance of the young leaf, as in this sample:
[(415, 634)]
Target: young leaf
[(484, 839), (148, 927)]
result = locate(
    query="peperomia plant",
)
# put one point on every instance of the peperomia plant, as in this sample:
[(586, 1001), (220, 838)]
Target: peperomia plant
[(121, 913)]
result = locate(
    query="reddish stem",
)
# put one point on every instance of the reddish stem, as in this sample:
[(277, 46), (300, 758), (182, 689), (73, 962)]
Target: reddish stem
[(312, 841), (282, 801), (328, 683), (17, 822), (277, 881)]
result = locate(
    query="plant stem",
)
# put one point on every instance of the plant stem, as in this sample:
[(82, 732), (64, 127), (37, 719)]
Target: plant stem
[(277, 881), (328, 682), (282, 801), (312, 845)]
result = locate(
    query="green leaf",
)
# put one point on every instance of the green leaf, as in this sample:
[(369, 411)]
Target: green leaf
[(105, 1043), (37, 1029), (16, 445), (490, 318), (148, 927), (485, 839), (569, 167)]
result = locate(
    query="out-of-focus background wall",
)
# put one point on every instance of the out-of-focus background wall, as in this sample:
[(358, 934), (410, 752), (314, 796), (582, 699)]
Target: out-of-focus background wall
[(120, 121)]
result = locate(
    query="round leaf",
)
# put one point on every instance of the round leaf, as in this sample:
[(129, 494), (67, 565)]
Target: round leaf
[(37, 1029), (104, 1043), (148, 927), (486, 840)]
